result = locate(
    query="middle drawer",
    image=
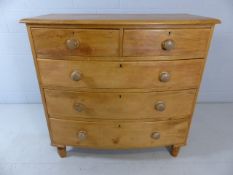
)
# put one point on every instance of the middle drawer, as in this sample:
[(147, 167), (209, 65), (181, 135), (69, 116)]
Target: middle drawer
[(120, 105), (157, 75)]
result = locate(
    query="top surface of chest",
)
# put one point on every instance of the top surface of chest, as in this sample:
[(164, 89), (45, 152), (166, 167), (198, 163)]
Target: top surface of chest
[(124, 19)]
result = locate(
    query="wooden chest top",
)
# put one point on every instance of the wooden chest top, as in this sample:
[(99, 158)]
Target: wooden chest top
[(124, 19)]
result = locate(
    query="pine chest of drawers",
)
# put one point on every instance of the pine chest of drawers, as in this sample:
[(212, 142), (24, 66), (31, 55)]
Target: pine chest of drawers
[(119, 81)]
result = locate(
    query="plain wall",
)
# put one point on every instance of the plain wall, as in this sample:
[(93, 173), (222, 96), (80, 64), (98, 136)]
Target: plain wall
[(17, 74)]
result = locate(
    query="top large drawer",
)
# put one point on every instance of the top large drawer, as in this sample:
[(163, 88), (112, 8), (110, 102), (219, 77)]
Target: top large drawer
[(76, 42), (189, 43)]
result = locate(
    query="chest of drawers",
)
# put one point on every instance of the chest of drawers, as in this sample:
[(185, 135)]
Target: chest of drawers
[(119, 81)]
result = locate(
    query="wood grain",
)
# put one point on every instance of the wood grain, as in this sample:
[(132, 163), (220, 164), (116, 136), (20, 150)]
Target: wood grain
[(116, 134), (107, 105), (92, 42), (184, 74), (191, 43)]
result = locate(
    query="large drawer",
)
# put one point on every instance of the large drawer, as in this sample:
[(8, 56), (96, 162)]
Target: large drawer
[(114, 134), (160, 75), (131, 105), (75, 42), (189, 43)]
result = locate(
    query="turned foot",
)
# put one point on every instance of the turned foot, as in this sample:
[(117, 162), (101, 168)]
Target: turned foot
[(174, 150), (61, 150)]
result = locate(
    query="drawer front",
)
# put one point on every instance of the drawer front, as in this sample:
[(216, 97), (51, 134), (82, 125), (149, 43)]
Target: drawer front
[(106, 105), (190, 43), (160, 75), (113, 134), (75, 42)]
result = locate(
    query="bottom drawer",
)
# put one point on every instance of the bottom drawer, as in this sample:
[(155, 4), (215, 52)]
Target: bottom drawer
[(116, 134)]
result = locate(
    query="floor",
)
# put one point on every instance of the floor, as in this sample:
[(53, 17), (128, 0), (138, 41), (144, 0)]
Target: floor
[(25, 148)]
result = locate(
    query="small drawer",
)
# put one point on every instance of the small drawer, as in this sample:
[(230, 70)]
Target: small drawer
[(189, 43), (159, 75), (75, 42), (116, 134), (131, 105)]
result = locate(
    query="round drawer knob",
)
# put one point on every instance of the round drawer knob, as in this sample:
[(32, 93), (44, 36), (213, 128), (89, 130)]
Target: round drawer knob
[(72, 44), (79, 107), (75, 76), (82, 135), (164, 76), (155, 135), (168, 45), (160, 106)]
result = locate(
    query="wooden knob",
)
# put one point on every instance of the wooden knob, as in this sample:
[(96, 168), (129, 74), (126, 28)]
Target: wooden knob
[(168, 44), (75, 75), (164, 76), (155, 135), (72, 44), (82, 135), (79, 107), (160, 106)]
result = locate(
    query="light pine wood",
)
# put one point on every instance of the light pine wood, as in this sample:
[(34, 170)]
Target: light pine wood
[(184, 74), (92, 42), (107, 105), (119, 59), (191, 43), (123, 19), (117, 134)]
